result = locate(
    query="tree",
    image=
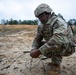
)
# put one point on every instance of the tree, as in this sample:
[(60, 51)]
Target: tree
[(19, 21), (15, 22), (72, 22), (3, 22), (11, 21)]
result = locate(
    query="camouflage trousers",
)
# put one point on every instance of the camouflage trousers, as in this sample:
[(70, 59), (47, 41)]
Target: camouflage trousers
[(56, 56)]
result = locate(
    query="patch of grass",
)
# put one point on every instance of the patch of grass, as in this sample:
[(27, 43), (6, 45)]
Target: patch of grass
[(9, 29)]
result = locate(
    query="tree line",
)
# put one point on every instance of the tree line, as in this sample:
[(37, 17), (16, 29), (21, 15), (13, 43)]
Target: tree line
[(18, 22), (30, 22)]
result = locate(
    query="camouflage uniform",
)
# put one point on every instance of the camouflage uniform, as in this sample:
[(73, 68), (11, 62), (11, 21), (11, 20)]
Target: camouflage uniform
[(57, 39)]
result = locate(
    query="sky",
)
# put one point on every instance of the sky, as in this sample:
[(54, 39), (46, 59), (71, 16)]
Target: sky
[(24, 9)]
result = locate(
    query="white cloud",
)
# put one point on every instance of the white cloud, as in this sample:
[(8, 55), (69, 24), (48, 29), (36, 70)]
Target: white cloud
[(24, 9)]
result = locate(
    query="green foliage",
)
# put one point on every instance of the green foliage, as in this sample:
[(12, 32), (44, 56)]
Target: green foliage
[(72, 22), (16, 22), (29, 22)]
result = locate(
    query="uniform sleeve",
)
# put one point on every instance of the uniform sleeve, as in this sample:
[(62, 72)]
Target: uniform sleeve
[(57, 40), (38, 38)]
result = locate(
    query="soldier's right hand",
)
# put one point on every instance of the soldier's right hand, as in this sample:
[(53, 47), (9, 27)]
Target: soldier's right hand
[(35, 53)]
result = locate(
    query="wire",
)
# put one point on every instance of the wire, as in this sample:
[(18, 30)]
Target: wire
[(11, 63), (30, 63)]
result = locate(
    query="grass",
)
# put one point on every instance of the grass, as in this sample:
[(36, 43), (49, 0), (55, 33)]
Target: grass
[(29, 27), (9, 29)]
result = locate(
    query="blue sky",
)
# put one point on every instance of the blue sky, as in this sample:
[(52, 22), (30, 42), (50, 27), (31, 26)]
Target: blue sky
[(24, 9)]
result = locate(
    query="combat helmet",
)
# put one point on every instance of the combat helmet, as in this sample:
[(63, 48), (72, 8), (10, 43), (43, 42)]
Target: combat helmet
[(42, 8)]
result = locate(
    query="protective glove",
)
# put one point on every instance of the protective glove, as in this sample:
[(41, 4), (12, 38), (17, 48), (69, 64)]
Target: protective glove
[(35, 53)]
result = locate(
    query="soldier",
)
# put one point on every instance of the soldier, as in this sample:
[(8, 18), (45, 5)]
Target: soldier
[(57, 36)]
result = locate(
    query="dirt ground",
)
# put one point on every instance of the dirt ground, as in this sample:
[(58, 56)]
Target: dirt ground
[(12, 49)]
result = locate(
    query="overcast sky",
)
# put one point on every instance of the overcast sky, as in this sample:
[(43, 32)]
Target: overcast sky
[(24, 9)]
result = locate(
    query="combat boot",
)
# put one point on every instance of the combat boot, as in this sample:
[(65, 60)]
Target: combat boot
[(54, 69)]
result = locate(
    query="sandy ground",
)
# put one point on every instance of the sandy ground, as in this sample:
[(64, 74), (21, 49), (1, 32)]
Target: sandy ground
[(11, 53)]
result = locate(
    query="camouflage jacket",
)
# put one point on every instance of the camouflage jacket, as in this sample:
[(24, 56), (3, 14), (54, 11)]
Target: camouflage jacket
[(54, 29)]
